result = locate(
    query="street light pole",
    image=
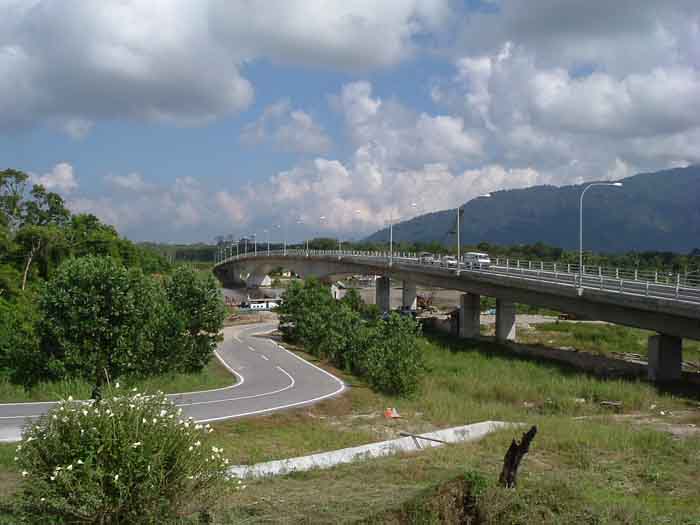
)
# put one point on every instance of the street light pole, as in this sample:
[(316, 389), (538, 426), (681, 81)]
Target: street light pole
[(267, 232), (255, 245), (459, 241), (580, 229)]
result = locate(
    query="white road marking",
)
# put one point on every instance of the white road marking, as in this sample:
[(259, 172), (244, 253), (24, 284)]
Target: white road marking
[(265, 357), (291, 384), (251, 349)]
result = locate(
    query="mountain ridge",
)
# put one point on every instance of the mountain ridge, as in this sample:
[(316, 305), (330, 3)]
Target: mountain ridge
[(652, 211)]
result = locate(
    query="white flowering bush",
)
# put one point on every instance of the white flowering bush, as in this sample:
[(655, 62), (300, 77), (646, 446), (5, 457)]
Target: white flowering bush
[(129, 458)]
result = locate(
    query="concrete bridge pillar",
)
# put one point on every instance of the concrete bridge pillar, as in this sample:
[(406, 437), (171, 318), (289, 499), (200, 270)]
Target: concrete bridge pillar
[(408, 296), (469, 315), (665, 357), (383, 294), (505, 320)]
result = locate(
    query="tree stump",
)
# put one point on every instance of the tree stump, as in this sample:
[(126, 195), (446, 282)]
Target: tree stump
[(512, 459)]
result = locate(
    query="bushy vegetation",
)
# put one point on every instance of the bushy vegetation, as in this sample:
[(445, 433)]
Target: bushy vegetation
[(95, 319), (129, 458), (353, 336)]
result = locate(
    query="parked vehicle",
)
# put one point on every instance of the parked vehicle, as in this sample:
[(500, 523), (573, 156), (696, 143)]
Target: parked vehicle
[(477, 259)]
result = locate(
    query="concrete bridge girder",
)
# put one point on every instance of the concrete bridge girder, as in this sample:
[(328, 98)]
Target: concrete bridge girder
[(672, 319)]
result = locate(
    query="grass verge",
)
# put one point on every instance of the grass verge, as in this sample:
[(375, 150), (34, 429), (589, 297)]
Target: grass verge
[(586, 465), (601, 339), (214, 375)]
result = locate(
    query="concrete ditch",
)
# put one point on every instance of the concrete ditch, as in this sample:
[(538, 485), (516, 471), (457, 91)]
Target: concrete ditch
[(391, 447)]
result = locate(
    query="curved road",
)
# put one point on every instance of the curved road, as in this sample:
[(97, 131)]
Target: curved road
[(270, 378)]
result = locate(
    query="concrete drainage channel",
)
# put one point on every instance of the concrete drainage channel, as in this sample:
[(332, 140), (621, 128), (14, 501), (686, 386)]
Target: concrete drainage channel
[(409, 443)]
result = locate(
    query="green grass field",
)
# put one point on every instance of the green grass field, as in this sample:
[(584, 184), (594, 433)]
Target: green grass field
[(600, 338), (586, 465), (214, 375)]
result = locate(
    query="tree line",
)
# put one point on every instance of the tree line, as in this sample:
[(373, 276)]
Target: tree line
[(354, 336), (79, 301)]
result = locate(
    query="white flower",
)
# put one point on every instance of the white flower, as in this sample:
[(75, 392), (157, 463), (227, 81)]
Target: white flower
[(85, 412), (42, 499), (226, 461), (163, 412), (197, 443), (191, 448), (54, 416), (70, 398), (116, 385), (53, 478), (143, 420), (69, 467), (210, 431), (155, 421), (80, 462), (16, 458), (25, 473), (116, 477), (136, 445), (19, 447)]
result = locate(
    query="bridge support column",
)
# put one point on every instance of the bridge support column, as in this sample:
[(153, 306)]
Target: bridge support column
[(408, 296), (665, 357), (383, 294), (505, 320), (469, 315)]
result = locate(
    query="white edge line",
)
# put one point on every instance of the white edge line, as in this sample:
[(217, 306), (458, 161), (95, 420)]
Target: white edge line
[(340, 389), (252, 396), (240, 382)]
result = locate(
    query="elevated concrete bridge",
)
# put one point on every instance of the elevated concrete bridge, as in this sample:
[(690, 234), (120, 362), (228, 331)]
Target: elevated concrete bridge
[(670, 308)]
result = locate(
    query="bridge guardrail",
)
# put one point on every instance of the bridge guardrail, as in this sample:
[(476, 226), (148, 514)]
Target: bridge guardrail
[(616, 280)]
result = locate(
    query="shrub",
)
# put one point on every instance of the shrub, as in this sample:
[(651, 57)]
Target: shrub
[(128, 458), (98, 316), (393, 360), (200, 307), (20, 356)]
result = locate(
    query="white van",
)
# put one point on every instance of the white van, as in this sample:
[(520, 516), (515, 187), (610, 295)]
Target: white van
[(477, 259)]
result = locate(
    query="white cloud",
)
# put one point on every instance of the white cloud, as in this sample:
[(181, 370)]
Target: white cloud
[(400, 136), (287, 129), (61, 179), (77, 128), (130, 182), (180, 61)]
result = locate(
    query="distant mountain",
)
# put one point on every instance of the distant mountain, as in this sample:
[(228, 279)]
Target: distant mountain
[(652, 211)]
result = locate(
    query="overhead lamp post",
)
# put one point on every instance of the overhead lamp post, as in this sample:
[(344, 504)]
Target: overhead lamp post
[(255, 245), (299, 221), (279, 227), (459, 242), (391, 235), (580, 229), (267, 232)]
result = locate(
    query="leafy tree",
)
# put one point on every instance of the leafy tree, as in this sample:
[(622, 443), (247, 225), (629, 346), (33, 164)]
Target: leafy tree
[(393, 360), (304, 311), (201, 310), (20, 356), (101, 320)]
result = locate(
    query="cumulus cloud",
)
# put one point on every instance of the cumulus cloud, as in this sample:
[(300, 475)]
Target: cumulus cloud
[(287, 129), (130, 182), (61, 179), (403, 136), (180, 61)]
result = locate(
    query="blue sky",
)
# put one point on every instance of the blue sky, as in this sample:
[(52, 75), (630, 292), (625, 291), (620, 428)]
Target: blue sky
[(179, 121)]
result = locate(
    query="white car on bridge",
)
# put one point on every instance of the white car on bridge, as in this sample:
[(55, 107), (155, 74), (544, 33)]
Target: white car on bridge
[(477, 259)]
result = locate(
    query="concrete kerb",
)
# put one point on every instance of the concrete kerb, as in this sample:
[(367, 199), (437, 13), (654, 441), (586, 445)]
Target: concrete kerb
[(325, 460)]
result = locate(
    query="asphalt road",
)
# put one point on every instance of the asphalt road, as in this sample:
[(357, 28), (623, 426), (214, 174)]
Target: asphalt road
[(270, 378)]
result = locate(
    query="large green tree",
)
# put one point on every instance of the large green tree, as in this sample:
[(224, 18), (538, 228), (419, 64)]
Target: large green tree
[(200, 308), (102, 320)]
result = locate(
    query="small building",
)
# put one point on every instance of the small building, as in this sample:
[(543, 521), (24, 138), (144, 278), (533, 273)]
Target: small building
[(261, 304)]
